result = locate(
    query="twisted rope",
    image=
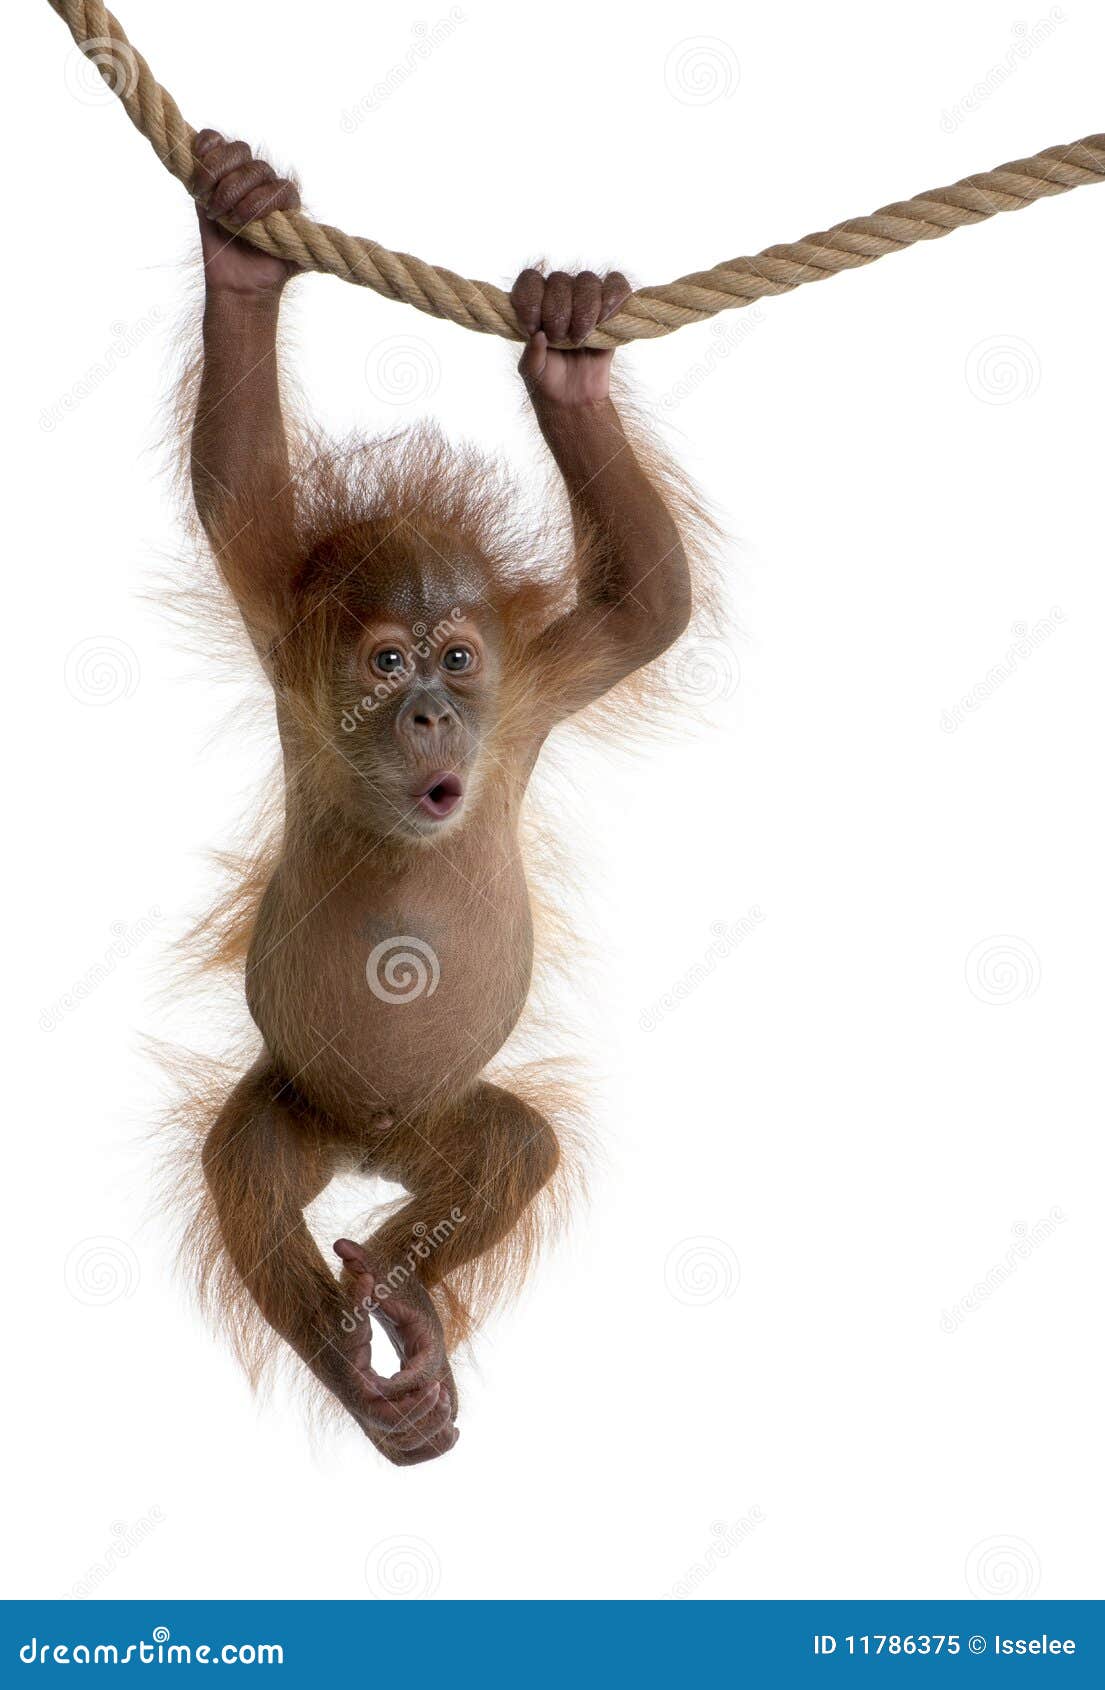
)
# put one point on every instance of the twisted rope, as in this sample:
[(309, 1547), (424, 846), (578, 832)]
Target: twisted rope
[(650, 312)]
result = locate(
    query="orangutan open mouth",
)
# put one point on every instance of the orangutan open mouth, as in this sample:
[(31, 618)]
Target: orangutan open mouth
[(441, 797)]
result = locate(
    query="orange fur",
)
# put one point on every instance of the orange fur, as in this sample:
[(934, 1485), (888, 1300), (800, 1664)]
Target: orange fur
[(530, 570)]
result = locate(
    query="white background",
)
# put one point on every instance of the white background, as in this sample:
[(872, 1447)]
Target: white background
[(809, 1163)]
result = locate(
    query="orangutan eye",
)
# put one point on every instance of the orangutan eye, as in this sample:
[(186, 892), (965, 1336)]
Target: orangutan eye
[(457, 659), (389, 660)]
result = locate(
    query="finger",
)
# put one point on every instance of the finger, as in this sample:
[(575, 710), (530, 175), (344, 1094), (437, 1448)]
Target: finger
[(407, 1450), (400, 1416), (615, 291), (415, 1336), (419, 1350), (556, 307), (204, 141), (417, 1384), (359, 1283), (407, 1383), (359, 1280), (202, 179), (236, 183), (359, 1350), (426, 1423), (408, 1317), (440, 1446), (353, 1255), (217, 163), (414, 1339), (531, 364), (399, 1395), (526, 296), (443, 1443), (413, 1442), (586, 305), (398, 1419), (270, 196)]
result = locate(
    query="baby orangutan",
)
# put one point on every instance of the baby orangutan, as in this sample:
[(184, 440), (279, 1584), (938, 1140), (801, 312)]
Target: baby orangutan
[(418, 657)]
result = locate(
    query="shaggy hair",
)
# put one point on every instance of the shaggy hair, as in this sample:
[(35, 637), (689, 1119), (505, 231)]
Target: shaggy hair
[(405, 492)]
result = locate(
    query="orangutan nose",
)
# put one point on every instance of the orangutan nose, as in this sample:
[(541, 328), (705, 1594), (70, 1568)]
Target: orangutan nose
[(426, 714), (432, 716)]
